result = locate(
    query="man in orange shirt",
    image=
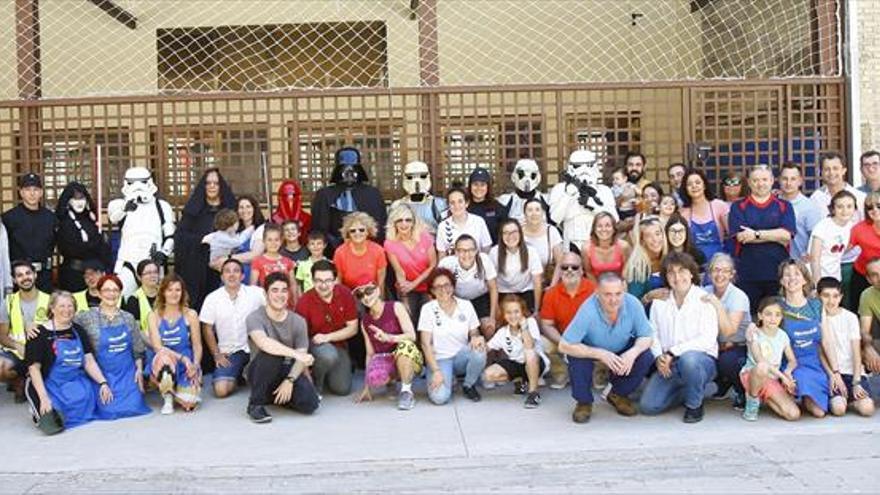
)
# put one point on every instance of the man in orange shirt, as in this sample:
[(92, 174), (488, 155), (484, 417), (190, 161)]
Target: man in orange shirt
[(559, 306)]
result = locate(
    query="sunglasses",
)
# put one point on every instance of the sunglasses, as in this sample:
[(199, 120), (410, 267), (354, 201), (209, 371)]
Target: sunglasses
[(871, 207), (404, 220), (569, 268), (359, 230), (732, 181), (368, 290)]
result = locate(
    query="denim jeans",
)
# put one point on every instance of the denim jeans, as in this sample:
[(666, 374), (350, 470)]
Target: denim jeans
[(581, 372), (468, 362), (690, 373)]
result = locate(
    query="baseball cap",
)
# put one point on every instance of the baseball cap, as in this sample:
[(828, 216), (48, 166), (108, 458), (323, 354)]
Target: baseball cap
[(30, 179), (480, 174)]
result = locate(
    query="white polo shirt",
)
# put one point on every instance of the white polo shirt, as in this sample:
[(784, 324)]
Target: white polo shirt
[(468, 283), (449, 333), (228, 315), (448, 232), (691, 327)]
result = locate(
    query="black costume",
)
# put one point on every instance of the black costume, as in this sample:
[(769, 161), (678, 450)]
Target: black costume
[(32, 237), (78, 239), (190, 255), (328, 206)]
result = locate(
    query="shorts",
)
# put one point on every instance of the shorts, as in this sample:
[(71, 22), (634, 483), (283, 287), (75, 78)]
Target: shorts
[(770, 388), (237, 361), (383, 367), (17, 362), (482, 306), (517, 370), (848, 381)]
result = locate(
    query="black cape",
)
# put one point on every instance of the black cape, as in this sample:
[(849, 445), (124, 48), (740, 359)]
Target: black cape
[(328, 219), (70, 241)]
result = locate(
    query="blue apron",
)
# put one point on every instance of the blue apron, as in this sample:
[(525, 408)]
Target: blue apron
[(803, 326), (116, 358), (246, 267), (707, 237), (72, 392), (176, 338)]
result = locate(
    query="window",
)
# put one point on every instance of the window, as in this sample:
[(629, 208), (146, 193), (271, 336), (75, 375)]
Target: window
[(610, 135)]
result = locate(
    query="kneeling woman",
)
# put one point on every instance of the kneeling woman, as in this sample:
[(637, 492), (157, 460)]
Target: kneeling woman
[(391, 347), (119, 350), (174, 334), (451, 340), (63, 371)]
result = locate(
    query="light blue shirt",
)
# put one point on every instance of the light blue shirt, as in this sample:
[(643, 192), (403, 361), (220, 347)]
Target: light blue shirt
[(734, 299), (590, 325), (806, 216)]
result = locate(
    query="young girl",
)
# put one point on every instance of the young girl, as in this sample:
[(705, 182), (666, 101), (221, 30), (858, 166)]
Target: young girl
[(272, 261), (474, 280), (761, 375), (831, 236), (668, 207), (518, 265), (524, 358), (678, 237)]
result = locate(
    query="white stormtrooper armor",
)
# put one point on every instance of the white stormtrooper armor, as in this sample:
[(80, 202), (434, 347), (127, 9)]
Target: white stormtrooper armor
[(417, 184), (526, 177), (578, 196), (146, 224)]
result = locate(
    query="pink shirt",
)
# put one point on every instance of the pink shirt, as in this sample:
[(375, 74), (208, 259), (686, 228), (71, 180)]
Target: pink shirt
[(263, 266), (414, 262)]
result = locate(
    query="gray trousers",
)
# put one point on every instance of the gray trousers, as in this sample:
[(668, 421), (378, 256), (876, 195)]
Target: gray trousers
[(332, 368)]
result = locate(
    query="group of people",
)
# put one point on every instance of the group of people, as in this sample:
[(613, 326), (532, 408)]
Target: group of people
[(766, 297)]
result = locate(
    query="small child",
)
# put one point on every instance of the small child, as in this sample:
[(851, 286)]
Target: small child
[(271, 260), (830, 237), (844, 325), (316, 245), (225, 240), (292, 249), (625, 193), (524, 358), (761, 375)]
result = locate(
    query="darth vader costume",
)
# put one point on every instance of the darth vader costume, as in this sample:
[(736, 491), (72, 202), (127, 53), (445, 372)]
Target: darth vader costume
[(79, 240), (190, 255), (348, 192), (290, 209)]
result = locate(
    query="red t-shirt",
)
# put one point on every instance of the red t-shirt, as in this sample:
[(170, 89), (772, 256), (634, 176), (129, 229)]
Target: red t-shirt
[(356, 270), (864, 236), (324, 317), (560, 307), (263, 266)]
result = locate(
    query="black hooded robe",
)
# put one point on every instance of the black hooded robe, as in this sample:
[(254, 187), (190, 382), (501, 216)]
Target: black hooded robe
[(328, 219), (190, 255), (74, 250)]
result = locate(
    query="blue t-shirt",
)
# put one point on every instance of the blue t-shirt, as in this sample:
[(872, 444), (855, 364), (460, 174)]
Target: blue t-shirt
[(806, 216), (590, 326), (760, 261)]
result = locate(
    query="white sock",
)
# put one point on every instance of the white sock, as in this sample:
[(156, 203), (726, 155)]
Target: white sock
[(405, 387)]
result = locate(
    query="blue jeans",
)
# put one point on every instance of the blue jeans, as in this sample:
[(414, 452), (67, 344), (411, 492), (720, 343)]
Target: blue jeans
[(468, 362), (690, 373)]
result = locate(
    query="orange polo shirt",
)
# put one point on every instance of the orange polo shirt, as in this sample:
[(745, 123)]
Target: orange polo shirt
[(560, 307)]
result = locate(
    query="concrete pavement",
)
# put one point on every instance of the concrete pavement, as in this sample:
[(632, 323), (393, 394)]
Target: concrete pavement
[(495, 445)]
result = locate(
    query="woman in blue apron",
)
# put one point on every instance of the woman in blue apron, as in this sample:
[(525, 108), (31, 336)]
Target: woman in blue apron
[(178, 348), (63, 370), (706, 215), (119, 350), (802, 321)]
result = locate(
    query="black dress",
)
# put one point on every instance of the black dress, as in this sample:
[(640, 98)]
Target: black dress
[(78, 239)]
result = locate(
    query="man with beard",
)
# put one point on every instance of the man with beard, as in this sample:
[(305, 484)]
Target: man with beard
[(78, 237), (635, 164), (31, 229), (21, 311), (348, 192)]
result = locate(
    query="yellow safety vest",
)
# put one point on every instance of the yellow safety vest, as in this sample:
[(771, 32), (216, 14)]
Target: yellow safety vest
[(82, 303), (145, 308), (16, 320)]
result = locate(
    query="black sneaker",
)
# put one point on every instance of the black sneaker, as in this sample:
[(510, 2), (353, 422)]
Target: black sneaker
[(739, 401), (693, 415), (520, 388), (258, 414), (532, 400), (471, 393)]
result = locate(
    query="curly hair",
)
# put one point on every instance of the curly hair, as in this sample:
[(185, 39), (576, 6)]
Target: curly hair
[(362, 218)]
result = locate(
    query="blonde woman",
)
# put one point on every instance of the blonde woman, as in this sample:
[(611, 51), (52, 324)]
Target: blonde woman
[(359, 259), (411, 254), (642, 269)]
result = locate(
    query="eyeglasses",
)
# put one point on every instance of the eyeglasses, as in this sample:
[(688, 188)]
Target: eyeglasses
[(357, 230), (721, 269), (323, 281), (677, 230), (465, 250), (510, 232), (367, 290), (404, 220), (443, 286), (569, 268)]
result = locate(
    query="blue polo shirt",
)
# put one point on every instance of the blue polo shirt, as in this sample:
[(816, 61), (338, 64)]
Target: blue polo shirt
[(759, 261), (591, 327)]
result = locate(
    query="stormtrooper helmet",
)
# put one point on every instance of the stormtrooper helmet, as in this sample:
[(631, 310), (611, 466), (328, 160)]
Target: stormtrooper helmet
[(416, 178), (584, 166), (526, 175), (139, 185)]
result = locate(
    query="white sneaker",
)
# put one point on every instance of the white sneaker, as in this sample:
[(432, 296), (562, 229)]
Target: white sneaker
[(168, 406), (554, 385), (488, 385)]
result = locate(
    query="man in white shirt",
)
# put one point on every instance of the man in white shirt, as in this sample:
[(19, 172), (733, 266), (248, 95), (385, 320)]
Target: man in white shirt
[(685, 345), (833, 181), (224, 327)]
